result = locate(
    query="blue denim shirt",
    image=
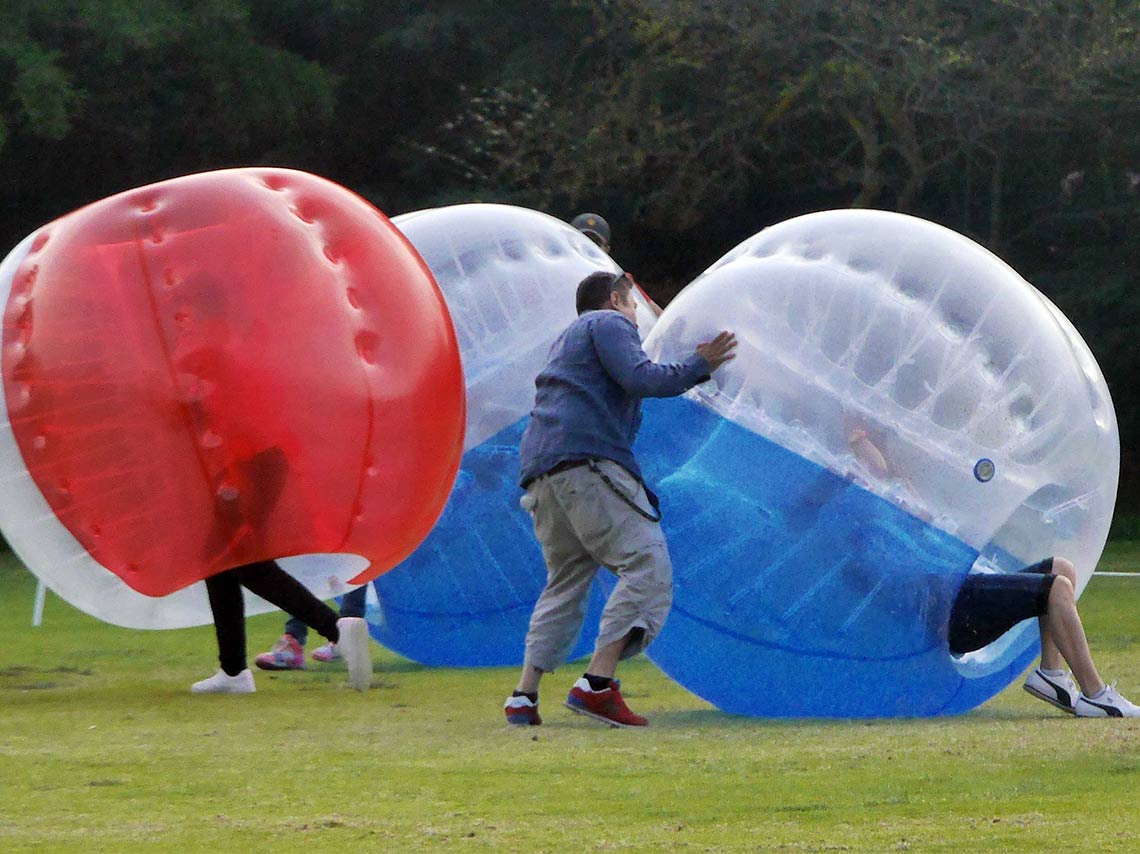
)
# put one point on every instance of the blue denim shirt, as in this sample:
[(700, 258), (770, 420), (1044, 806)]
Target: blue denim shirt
[(588, 399)]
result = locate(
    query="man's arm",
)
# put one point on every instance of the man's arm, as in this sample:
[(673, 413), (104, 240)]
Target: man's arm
[(619, 348)]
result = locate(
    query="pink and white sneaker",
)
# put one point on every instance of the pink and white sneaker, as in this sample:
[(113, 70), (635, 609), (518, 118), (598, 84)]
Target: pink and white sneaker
[(326, 653), (286, 654)]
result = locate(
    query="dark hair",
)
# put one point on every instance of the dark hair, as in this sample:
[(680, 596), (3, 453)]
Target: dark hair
[(594, 290)]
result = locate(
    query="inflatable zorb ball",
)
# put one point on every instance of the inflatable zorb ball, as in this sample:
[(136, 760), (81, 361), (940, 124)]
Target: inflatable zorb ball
[(215, 370), (903, 407), (509, 276)]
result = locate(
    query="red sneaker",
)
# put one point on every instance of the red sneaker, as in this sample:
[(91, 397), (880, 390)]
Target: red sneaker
[(606, 705), (520, 711), (286, 654)]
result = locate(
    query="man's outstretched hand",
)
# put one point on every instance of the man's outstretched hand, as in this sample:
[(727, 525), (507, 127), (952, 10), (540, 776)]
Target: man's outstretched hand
[(719, 350)]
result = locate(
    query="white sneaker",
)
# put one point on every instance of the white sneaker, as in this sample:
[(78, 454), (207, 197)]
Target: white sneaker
[(1108, 705), (353, 646), (221, 683), (1057, 690)]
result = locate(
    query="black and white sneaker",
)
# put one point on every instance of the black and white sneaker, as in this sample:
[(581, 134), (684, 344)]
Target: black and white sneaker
[(1058, 690), (1108, 705)]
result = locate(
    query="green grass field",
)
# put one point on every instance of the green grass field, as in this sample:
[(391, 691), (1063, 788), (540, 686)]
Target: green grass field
[(104, 749)]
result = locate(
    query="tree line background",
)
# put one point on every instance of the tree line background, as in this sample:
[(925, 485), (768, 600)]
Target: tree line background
[(689, 124)]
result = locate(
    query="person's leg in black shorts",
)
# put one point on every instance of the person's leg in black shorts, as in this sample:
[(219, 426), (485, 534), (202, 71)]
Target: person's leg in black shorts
[(988, 605)]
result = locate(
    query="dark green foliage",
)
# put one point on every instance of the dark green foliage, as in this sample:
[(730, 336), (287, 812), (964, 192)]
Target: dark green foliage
[(145, 91)]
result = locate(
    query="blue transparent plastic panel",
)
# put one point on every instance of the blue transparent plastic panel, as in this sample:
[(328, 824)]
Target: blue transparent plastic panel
[(465, 596), (798, 592)]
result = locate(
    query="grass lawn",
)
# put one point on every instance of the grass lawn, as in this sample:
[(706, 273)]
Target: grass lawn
[(104, 749)]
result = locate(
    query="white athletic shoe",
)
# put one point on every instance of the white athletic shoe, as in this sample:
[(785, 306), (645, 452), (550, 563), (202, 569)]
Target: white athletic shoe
[(1108, 705), (353, 646), (221, 683), (1058, 690)]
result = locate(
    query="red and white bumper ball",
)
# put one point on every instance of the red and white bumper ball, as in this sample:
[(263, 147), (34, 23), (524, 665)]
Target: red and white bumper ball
[(218, 369)]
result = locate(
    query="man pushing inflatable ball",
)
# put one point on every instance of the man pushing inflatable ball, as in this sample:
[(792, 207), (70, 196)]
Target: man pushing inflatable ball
[(589, 504)]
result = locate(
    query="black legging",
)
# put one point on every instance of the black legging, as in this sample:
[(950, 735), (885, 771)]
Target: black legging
[(273, 584)]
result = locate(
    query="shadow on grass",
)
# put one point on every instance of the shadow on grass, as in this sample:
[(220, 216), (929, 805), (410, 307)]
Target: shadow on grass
[(23, 678), (713, 719)]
